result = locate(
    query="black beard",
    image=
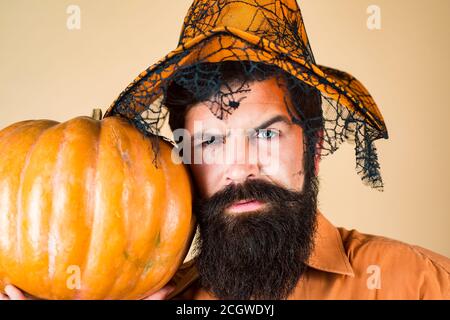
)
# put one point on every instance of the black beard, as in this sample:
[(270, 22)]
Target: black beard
[(257, 255)]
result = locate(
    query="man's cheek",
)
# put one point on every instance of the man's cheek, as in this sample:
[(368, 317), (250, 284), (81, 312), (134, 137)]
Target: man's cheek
[(287, 170), (268, 156), (206, 178)]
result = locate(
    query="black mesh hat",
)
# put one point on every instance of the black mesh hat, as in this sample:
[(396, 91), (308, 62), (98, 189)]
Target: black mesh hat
[(256, 33)]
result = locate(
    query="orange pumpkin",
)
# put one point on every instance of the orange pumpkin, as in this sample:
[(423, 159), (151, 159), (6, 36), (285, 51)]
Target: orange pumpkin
[(86, 214)]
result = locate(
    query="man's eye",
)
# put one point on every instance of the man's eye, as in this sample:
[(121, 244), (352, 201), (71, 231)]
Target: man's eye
[(209, 141), (267, 134)]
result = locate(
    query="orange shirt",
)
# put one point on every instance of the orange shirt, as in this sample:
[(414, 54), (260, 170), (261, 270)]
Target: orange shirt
[(351, 265)]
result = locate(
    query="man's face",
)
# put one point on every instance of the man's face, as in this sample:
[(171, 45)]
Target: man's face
[(256, 215), (261, 125)]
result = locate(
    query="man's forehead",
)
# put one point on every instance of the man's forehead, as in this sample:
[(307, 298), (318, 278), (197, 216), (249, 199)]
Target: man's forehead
[(260, 100)]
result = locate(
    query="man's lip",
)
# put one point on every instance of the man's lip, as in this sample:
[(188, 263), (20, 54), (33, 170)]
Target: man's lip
[(246, 205), (244, 201)]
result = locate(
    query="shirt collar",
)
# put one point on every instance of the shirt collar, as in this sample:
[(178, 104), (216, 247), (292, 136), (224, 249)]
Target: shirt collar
[(329, 254)]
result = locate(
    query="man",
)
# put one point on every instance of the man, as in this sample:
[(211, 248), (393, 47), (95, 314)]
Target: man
[(261, 236), (244, 81), (252, 214)]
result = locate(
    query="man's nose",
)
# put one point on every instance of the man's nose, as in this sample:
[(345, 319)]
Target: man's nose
[(240, 161)]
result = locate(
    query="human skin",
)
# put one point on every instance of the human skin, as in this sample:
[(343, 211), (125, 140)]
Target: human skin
[(265, 100)]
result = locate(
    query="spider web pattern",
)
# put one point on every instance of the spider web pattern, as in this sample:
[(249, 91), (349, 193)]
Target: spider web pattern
[(270, 32)]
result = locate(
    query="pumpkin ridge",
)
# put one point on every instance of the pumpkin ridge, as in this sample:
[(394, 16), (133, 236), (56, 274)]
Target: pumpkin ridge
[(185, 227), (91, 200), (127, 174), (91, 206), (147, 262), (19, 217), (52, 246)]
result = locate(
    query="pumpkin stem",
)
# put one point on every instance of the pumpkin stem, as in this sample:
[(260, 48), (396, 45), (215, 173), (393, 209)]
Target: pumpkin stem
[(97, 114)]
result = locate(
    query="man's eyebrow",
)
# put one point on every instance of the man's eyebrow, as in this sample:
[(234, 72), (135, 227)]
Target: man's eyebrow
[(202, 134), (278, 118)]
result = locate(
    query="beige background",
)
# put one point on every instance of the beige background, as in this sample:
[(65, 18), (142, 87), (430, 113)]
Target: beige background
[(47, 71)]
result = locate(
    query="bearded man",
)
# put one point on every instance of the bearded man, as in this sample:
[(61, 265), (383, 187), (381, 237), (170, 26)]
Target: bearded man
[(244, 82)]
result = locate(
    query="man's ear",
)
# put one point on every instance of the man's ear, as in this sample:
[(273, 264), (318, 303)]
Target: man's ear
[(317, 156)]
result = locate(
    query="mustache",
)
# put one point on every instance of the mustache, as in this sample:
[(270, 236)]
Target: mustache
[(252, 189)]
